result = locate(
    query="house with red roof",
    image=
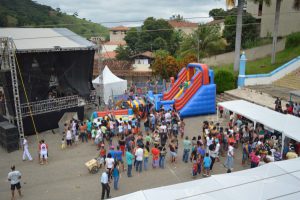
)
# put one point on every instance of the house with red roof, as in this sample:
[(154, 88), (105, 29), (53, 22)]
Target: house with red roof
[(184, 26)]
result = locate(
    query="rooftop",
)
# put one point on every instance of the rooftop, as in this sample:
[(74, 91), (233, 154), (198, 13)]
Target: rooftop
[(147, 54), (119, 28), (218, 21), (178, 24), (115, 43), (37, 39)]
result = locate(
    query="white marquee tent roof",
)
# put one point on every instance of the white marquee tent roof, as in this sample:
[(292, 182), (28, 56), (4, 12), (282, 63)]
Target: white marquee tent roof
[(277, 180), (112, 85), (287, 124), (108, 77), (44, 38)]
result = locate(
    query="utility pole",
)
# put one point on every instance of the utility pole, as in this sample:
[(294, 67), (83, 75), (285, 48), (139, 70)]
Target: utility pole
[(100, 69), (198, 48)]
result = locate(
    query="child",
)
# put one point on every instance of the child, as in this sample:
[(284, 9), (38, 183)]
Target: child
[(175, 128), (76, 138), (63, 144), (199, 163), (237, 139), (94, 133), (181, 129), (102, 154), (206, 164), (195, 168)]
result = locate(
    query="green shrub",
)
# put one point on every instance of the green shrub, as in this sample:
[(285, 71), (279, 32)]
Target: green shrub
[(293, 40), (225, 80)]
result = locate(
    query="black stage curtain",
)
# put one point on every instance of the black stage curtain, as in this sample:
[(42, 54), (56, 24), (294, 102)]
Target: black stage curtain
[(72, 69)]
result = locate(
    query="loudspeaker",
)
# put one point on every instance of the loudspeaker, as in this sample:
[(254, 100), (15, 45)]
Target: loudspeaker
[(5, 78), (9, 132), (11, 108), (11, 146), (8, 93)]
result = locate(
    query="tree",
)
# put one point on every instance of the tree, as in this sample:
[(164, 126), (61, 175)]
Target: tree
[(296, 6), (205, 41), (218, 13), (238, 35), (132, 39), (164, 64), (177, 17), (154, 34), (123, 53), (249, 32), (159, 43), (225, 80), (189, 58)]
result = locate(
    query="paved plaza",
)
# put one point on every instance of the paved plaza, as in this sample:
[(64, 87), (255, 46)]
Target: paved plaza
[(66, 176)]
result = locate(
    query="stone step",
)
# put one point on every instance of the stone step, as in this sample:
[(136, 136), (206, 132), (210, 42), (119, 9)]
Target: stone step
[(291, 80)]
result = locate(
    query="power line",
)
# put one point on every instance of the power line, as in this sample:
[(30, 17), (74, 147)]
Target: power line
[(133, 21), (137, 31)]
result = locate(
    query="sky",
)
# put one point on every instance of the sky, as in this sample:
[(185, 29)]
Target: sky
[(133, 12)]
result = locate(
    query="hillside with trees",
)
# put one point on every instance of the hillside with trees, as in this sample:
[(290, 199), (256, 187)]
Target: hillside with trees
[(27, 13)]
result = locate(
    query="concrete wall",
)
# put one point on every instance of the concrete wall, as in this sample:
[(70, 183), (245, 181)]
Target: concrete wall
[(289, 20), (263, 79), (252, 54), (117, 36)]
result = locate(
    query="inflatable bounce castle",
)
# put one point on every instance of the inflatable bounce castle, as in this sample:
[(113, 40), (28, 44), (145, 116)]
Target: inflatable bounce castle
[(193, 93)]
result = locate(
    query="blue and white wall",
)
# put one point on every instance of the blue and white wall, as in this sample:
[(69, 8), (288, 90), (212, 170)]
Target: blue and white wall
[(263, 79)]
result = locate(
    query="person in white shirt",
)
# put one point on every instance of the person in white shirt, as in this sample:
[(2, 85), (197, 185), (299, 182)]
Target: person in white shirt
[(168, 117), (25, 150), (43, 152), (14, 177), (217, 149), (229, 160), (105, 184), (109, 164), (139, 153), (69, 137)]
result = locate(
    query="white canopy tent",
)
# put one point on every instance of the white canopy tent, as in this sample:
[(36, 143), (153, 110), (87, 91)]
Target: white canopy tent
[(112, 85), (288, 125), (277, 180)]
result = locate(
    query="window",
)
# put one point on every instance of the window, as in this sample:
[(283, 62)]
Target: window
[(115, 32)]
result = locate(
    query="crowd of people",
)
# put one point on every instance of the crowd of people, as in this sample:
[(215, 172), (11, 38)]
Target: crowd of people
[(125, 146), (152, 140), (292, 108)]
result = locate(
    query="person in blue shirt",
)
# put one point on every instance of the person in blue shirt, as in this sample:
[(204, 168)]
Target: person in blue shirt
[(112, 152), (118, 157), (206, 164), (116, 175), (89, 125), (201, 150), (129, 159)]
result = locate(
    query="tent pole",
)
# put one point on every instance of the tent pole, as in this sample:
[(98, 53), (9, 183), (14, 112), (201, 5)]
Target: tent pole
[(217, 113), (282, 143)]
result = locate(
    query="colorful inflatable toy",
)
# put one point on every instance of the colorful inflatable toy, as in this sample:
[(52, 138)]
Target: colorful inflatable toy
[(193, 93)]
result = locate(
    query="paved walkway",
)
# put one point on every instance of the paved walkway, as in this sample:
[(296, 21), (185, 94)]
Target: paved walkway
[(255, 96), (274, 91), (66, 177)]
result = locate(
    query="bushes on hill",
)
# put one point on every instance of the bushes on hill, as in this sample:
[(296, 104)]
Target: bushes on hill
[(225, 80), (293, 40)]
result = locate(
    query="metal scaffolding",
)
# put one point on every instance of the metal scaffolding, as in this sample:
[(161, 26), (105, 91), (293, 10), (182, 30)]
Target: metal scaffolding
[(49, 105), (8, 56)]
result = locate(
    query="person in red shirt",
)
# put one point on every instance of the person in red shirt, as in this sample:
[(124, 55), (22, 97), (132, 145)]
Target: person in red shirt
[(155, 155), (289, 109)]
